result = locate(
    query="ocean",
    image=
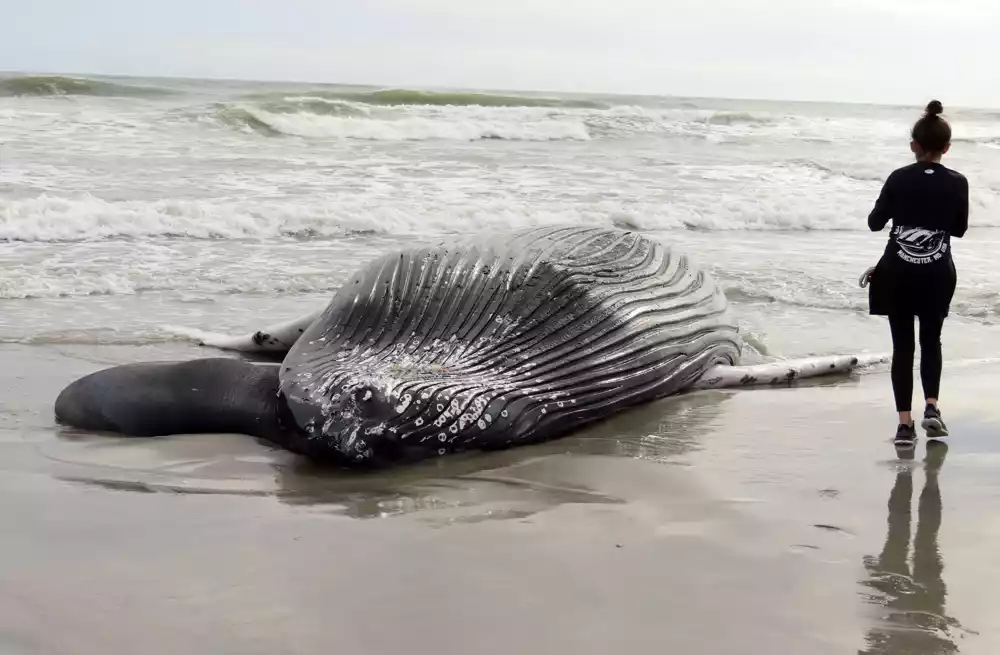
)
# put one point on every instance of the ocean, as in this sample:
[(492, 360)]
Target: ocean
[(130, 207), (135, 213)]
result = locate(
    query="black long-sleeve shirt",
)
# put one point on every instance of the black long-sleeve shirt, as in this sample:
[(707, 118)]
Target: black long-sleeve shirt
[(928, 204)]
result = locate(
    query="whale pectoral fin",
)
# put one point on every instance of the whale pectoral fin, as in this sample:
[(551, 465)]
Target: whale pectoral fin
[(260, 341), (277, 338), (782, 372)]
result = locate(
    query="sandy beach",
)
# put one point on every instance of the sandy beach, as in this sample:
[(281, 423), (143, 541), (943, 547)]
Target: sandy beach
[(777, 521)]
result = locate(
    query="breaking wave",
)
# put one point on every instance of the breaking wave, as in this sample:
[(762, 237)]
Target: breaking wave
[(856, 173), (47, 218), (96, 337), (315, 118), (749, 293), (980, 307), (320, 116), (112, 283), (737, 118), (244, 120), (314, 105), (412, 97), (986, 141), (57, 85)]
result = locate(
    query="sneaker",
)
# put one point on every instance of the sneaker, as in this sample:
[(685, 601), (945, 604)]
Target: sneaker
[(906, 436), (933, 423)]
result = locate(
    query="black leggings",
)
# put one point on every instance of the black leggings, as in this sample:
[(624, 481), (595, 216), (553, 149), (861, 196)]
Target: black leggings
[(902, 358)]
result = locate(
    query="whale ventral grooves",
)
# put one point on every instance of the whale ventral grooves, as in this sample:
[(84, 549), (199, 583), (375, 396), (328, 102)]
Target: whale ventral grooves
[(502, 339)]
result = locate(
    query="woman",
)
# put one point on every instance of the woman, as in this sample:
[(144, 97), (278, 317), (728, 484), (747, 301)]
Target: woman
[(928, 204)]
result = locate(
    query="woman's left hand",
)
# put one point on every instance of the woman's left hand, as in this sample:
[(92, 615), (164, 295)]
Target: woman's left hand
[(866, 278)]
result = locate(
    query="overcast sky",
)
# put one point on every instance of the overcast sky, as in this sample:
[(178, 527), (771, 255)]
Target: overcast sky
[(895, 51)]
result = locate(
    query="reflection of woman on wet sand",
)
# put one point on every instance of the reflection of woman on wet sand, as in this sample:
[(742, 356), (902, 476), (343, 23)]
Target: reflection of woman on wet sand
[(915, 621)]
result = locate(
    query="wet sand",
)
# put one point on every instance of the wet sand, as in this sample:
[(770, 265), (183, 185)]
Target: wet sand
[(765, 521)]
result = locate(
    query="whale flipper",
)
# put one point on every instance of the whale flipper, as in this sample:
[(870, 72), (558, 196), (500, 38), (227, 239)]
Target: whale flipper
[(784, 371), (277, 338)]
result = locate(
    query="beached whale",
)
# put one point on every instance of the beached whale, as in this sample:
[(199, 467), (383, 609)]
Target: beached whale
[(494, 341)]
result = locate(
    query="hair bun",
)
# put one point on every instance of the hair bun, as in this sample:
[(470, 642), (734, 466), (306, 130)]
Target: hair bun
[(935, 108)]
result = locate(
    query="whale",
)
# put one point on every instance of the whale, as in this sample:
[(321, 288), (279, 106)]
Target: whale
[(491, 341)]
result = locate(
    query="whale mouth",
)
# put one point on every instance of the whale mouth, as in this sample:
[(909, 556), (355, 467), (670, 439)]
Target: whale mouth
[(343, 429)]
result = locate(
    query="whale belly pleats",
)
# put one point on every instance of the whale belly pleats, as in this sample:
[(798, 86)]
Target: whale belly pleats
[(502, 339)]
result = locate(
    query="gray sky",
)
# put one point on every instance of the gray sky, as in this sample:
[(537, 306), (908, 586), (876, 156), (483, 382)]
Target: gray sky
[(897, 51)]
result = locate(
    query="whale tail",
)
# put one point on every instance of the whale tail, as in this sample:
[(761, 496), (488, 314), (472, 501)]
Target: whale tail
[(785, 371)]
